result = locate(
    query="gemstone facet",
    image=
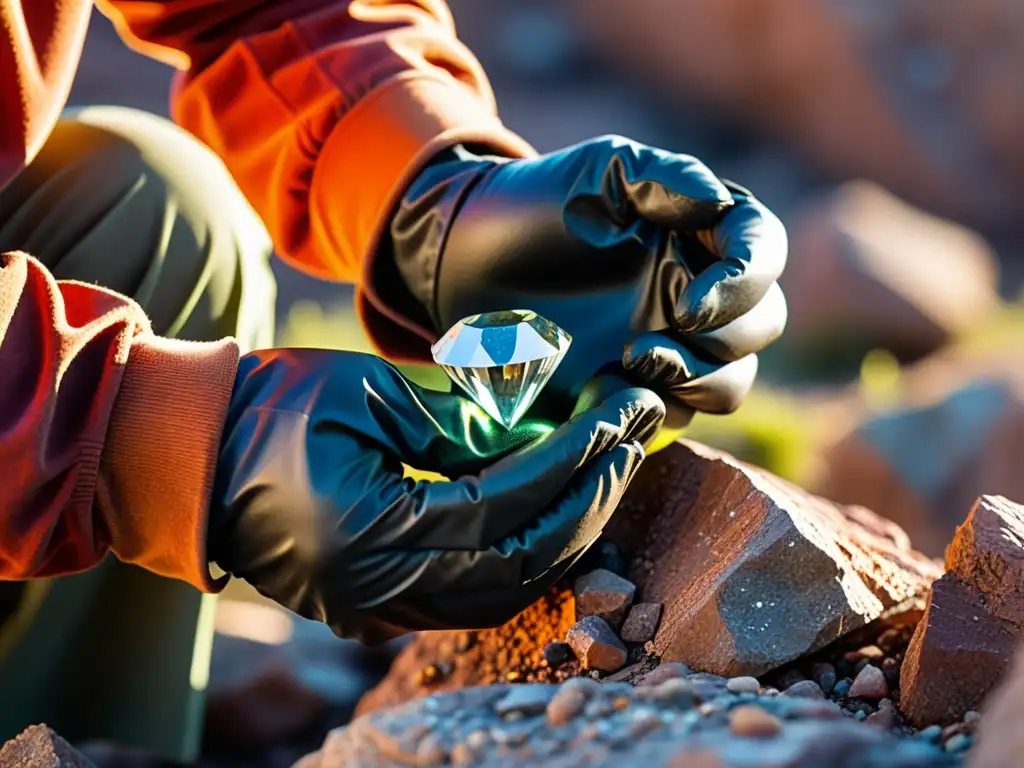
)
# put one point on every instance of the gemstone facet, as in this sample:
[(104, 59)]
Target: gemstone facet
[(502, 360)]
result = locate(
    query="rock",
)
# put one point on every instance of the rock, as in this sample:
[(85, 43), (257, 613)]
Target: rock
[(39, 747), (885, 717), (999, 733), (743, 685), (596, 645), (557, 653), (805, 689), (588, 723), (771, 573), (974, 618), (842, 688), (604, 594), (909, 94), (641, 623), (752, 722), (922, 465), (848, 280), (869, 684), (524, 700), (752, 573), (824, 675)]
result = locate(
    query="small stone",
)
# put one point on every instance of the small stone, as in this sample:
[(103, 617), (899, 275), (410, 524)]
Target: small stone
[(557, 653), (567, 703), (743, 685), (842, 688), (870, 684), (625, 674), (961, 742), (675, 692), (604, 594), (524, 699), (514, 676), (950, 731), (860, 714), (751, 721), (825, 676), (641, 623), (890, 640), (643, 725), (430, 750), (805, 689), (885, 717), (430, 675), (972, 719), (664, 672), (932, 733), (871, 652), (596, 645)]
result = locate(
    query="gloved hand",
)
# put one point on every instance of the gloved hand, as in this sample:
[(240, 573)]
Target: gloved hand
[(311, 507), (610, 240)]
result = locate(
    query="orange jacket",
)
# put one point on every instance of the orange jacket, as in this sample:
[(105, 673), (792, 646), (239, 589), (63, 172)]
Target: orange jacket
[(322, 110)]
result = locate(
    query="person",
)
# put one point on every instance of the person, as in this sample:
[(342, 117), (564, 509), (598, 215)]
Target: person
[(151, 434)]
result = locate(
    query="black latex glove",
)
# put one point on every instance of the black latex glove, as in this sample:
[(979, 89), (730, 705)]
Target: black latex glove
[(609, 239), (311, 507)]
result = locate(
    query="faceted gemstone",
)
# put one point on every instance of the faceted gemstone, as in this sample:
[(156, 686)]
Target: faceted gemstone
[(502, 359)]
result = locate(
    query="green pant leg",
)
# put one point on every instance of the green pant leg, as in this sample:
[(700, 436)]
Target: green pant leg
[(128, 201)]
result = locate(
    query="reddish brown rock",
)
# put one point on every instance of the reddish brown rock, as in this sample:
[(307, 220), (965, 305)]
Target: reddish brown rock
[(853, 276), (974, 619), (39, 747), (921, 466), (604, 594), (642, 623), (596, 645), (770, 572)]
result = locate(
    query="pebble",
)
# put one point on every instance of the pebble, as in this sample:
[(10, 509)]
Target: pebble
[(805, 689), (870, 684), (860, 714), (664, 672), (931, 733), (959, 743), (743, 685), (566, 704), (885, 717), (641, 623), (625, 674), (524, 699), (430, 750), (825, 676), (557, 653), (676, 692), (972, 720), (872, 652), (644, 724), (596, 645), (842, 688), (789, 678), (604, 594), (753, 722)]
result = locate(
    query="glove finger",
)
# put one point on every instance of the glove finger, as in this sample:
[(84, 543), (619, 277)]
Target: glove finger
[(749, 333), (630, 186), (487, 588), (751, 244), (671, 368), (472, 513)]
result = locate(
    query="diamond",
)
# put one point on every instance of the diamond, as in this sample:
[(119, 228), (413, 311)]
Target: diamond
[(502, 360)]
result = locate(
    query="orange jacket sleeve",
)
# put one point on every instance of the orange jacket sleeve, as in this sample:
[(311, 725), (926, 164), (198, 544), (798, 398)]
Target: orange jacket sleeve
[(91, 404), (322, 110)]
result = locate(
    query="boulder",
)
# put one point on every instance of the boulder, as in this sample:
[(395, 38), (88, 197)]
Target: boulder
[(752, 572), (974, 618), (855, 281), (39, 747), (582, 722), (924, 463)]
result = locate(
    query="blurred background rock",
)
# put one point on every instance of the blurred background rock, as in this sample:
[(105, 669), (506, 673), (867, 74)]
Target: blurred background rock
[(885, 133)]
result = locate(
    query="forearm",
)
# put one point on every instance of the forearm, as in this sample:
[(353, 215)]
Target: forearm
[(91, 406)]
